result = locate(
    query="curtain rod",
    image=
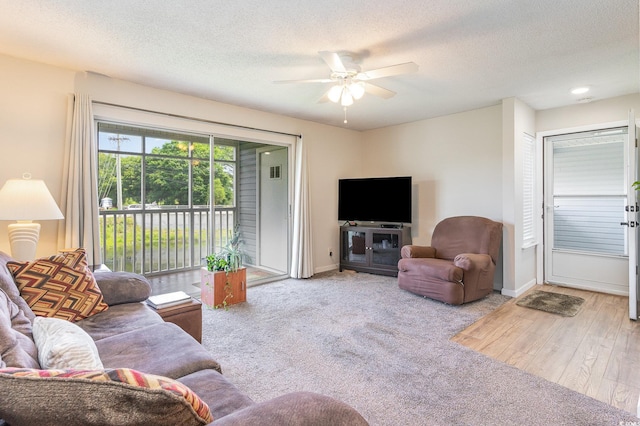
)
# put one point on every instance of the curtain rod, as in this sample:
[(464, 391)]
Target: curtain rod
[(168, 114)]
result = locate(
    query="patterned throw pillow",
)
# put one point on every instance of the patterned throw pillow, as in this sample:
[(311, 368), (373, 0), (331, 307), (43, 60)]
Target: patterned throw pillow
[(86, 397), (60, 286)]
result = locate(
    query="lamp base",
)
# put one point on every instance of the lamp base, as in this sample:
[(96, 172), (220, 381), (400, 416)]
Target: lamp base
[(23, 237)]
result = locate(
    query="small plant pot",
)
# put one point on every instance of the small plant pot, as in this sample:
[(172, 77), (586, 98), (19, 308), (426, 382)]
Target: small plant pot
[(220, 289)]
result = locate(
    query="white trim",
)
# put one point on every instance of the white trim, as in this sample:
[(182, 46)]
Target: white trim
[(332, 267), (290, 184), (541, 249), (162, 121), (587, 128), (519, 291), (529, 186)]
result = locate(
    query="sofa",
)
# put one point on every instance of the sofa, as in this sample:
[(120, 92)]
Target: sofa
[(133, 368)]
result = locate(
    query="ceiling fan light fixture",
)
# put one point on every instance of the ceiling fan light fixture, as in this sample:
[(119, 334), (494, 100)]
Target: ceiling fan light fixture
[(356, 90), (580, 90), (350, 83), (334, 93), (346, 99)]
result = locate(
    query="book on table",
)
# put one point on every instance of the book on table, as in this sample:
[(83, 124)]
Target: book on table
[(168, 299)]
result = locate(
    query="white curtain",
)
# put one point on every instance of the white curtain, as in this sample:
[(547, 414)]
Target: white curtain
[(302, 258), (80, 184)]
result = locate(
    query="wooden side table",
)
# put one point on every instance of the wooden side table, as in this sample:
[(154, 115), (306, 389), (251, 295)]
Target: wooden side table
[(187, 316)]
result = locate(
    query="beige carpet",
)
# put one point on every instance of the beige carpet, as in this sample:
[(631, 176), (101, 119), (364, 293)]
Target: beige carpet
[(386, 352)]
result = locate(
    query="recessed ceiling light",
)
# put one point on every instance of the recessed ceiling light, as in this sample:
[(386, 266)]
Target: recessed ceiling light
[(579, 90)]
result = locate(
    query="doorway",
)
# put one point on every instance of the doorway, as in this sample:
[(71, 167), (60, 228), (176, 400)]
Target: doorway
[(586, 190), (273, 211)]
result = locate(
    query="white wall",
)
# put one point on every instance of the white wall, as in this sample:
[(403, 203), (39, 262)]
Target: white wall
[(34, 113), (455, 162), (519, 264), (598, 112), (33, 117), (590, 115), (471, 163), (331, 157)]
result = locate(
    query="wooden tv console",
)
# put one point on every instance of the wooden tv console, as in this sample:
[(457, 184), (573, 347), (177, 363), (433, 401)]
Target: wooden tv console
[(372, 249)]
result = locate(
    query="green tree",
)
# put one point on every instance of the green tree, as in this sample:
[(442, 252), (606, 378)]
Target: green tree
[(167, 175), (224, 174), (167, 181), (106, 176), (131, 167)]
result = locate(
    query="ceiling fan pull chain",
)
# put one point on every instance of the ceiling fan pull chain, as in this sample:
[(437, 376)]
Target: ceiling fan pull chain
[(345, 115)]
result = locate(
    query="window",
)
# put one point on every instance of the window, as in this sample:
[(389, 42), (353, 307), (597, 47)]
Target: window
[(589, 191), (528, 191), (147, 168), (155, 197), (224, 160)]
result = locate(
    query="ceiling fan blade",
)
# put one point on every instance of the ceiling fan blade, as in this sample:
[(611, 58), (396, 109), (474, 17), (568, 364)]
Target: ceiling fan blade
[(389, 71), (324, 98), (315, 80), (333, 60), (378, 91)]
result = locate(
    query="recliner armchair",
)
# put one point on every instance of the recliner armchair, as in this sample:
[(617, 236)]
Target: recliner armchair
[(459, 265)]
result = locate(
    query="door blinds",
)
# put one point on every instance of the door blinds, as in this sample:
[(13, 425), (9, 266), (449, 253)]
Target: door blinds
[(589, 191)]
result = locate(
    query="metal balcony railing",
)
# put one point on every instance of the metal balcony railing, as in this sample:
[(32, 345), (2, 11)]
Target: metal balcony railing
[(161, 240)]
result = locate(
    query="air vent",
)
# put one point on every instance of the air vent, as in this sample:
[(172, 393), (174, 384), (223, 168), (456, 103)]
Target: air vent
[(274, 172)]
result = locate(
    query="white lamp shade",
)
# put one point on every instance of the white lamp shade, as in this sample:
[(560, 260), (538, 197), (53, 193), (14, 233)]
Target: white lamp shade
[(346, 99), (357, 90), (334, 93), (27, 199)]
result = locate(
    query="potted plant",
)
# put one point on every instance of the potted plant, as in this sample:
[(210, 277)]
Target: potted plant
[(223, 280)]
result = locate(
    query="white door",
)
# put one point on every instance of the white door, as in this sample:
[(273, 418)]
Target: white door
[(586, 191), (273, 211), (632, 217)]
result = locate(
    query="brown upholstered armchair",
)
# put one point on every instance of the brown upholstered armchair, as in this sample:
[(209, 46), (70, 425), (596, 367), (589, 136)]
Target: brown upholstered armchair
[(459, 265)]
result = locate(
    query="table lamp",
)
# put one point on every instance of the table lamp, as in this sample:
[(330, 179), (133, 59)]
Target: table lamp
[(25, 200)]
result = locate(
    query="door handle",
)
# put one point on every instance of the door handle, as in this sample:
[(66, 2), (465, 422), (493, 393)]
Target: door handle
[(631, 224)]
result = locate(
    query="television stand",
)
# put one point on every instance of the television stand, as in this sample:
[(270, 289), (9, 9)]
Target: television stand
[(375, 250), (391, 225)]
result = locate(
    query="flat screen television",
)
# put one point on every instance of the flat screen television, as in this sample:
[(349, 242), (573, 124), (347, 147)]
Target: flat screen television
[(383, 199)]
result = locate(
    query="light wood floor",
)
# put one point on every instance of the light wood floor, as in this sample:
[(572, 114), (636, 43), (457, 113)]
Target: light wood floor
[(596, 353)]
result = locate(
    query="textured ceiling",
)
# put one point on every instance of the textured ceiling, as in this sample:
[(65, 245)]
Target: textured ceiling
[(471, 53)]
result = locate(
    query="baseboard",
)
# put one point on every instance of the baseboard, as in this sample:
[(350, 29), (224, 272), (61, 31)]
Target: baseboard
[(519, 291), (325, 268)]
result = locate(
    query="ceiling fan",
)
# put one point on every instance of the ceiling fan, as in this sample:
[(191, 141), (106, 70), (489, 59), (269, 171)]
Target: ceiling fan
[(352, 83)]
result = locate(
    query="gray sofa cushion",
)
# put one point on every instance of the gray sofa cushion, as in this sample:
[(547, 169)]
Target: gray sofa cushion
[(163, 349), (122, 287), (217, 392), (296, 408), (9, 286), (119, 319), (17, 348)]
